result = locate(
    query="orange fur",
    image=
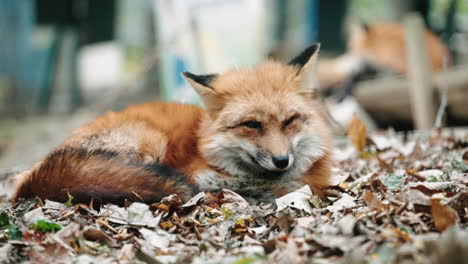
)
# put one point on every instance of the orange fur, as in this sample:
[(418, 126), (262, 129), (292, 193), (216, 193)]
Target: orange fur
[(151, 150)]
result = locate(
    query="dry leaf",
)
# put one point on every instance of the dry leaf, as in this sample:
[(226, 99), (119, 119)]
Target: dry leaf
[(357, 133), (298, 199), (373, 202), (444, 216)]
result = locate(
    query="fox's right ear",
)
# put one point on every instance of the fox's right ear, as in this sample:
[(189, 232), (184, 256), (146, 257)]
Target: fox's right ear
[(306, 60), (203, 86)]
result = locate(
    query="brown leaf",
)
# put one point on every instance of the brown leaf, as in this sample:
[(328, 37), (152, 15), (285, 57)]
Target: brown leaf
[(394, 232), (357, 133), (373, 202), (443, 215), (95, 234), (430, 188)]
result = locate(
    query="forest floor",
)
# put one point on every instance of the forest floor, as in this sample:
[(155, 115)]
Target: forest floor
[(399, 198)]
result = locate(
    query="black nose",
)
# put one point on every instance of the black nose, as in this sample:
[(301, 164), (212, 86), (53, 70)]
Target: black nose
[(281, 162)]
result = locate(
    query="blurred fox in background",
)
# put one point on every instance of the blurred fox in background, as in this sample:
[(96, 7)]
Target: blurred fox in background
[(371, 50)]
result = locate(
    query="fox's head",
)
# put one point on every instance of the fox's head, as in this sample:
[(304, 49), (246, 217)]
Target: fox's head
[(262, 122)]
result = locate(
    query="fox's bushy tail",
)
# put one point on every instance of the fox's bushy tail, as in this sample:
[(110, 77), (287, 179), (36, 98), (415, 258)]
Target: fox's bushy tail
[(100, 176)]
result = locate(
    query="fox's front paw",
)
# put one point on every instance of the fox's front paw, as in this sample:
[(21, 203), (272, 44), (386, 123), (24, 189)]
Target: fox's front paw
[(208, 180)]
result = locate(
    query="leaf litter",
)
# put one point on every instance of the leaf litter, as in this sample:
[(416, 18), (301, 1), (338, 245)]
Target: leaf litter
[(400, 198)]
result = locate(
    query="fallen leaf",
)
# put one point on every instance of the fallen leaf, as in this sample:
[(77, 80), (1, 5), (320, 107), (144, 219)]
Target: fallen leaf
[(393, 181), (347, 224), (233, 202), (298, 199), (139, 214), (96, 234), (414, 196), (373, 202), (444, 216), (459, 165), (431, 173), (45, 226), (197, 199), (431, 187), (35, 215), (346, 201), (158, 240), (357, 133)]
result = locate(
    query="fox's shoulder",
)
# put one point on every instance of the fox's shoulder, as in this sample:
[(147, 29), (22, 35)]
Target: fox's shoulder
[(146, 130)]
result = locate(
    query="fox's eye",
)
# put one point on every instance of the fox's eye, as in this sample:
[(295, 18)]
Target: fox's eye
[(290, 120), (252, 125)]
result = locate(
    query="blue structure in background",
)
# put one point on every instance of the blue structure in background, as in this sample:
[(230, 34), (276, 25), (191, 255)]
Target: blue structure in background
[(311, 17), (26, 67)]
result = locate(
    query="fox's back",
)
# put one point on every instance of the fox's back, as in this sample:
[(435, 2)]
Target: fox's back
[(385, 44), (146, 130)]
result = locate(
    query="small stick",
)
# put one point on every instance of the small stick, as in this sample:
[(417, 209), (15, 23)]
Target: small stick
[(443, 99)]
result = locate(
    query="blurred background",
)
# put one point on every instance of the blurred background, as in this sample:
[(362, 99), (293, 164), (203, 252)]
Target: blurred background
[(63, 62)]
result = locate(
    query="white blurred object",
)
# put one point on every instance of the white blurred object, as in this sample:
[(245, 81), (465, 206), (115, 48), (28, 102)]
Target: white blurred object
[(206, 36), (100, 67), (343, 113)]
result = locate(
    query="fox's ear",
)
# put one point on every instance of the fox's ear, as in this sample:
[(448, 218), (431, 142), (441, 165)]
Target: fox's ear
[(356, 27), (203, 86), (306, 60)]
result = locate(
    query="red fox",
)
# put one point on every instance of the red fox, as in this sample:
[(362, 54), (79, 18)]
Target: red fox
[(376, 48), (261, 135)]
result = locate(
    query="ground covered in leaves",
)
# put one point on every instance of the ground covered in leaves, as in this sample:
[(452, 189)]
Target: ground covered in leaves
[(399, 199)]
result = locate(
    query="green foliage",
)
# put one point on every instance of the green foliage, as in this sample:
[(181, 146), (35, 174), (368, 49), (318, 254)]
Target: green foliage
[(433, 179), (458, 165), (226, 213), (4, 220), (385, 254), (393, 181), (70, 200), (251, 259), (45, 226), (9, 228)]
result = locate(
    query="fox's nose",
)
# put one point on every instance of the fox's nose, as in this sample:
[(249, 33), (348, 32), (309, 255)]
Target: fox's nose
[(280, 162)]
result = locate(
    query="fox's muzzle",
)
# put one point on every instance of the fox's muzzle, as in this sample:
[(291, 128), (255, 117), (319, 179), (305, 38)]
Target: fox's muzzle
[(280, 162)]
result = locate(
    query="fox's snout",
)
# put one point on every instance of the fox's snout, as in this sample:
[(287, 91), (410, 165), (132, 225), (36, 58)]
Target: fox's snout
[(280, 162), (275, 163)]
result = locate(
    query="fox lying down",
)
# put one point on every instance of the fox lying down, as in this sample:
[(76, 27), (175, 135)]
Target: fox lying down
[(261, 134)]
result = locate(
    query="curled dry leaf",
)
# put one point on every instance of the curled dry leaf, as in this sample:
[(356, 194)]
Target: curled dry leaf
[(444, 216), (373, 202), (357, 133)]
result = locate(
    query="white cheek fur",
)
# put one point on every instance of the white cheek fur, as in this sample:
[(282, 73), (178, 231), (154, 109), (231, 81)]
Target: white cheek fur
[(225, 153)]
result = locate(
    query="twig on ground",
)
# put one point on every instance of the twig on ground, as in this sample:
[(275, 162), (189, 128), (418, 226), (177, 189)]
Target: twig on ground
[(443, 99)]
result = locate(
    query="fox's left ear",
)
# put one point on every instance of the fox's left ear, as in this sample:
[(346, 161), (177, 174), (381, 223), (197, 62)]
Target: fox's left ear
[(306, 61), (203, 86)]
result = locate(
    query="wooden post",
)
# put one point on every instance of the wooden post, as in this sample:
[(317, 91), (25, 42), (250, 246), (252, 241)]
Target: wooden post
[(421, 92)]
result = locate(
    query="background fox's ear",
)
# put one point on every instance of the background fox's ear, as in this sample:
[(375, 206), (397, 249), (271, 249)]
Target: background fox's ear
[(203, 86), (356, 27), (306, 60)]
